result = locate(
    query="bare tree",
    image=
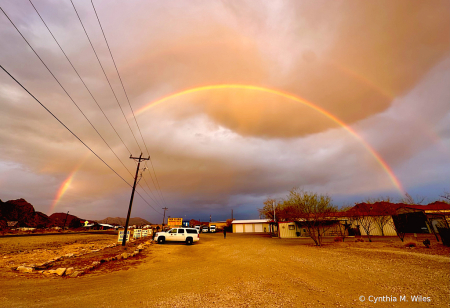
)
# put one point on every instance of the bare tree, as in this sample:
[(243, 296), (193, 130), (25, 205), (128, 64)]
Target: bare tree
[(362, 214), (343, 226), (271, 209), (312, 210), (408, 199), (384, 215), (446, 197)]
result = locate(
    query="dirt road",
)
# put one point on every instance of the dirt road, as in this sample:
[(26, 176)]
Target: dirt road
[(249, 271)]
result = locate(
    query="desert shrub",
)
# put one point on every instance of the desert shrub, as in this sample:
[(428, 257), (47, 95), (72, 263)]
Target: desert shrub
[(338, 239), (359, 239), (427, 243)]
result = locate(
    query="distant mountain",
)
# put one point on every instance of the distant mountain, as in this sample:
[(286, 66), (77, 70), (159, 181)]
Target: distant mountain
[(121, 221)]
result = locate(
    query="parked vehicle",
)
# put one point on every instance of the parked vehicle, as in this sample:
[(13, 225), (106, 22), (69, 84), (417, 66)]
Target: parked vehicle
[(205, 229), (188, 235), (212, 228)]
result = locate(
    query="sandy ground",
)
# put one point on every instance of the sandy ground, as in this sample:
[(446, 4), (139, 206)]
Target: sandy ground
[(247, 271)]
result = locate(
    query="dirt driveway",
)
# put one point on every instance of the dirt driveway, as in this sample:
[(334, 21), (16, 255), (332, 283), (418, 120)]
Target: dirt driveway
[(249, 271)]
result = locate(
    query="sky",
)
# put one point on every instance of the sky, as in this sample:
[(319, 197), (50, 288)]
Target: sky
[(237, 102)]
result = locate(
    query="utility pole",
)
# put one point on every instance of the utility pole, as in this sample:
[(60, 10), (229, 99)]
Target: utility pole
[(65, 220), (231, 214), (139, 159), (273, 205), (164, 218)]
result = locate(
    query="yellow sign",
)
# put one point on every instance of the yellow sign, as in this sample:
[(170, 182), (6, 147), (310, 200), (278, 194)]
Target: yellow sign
[(121, 232), (175, 222)]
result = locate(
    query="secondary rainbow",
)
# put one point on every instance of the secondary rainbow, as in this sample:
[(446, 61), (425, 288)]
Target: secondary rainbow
[(375, 155)]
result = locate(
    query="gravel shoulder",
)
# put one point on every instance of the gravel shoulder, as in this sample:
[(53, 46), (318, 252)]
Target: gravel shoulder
[(250, 271)]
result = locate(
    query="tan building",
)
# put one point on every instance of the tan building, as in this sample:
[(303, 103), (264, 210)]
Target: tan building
[(252, 226)]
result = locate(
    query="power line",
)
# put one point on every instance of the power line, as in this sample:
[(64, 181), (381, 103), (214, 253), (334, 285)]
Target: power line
[(70, 62), (117, 100), (70, 99), (80, 77), (107, 79), (65, 126), (128, 100), (64, 89)]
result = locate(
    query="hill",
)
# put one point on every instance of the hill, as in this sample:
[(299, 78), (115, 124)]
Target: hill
[(121, 221), (23, 212)]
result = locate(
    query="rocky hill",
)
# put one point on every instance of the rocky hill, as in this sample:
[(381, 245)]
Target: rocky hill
[(59, 220), (23, 212), (121, 221)]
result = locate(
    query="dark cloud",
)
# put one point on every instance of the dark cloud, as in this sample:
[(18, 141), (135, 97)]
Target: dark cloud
[(380, 66)]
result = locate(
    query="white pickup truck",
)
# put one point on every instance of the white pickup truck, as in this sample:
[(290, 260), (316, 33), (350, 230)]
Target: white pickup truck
[(188, 235), (212, 228)]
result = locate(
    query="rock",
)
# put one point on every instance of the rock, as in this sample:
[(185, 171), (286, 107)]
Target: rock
[(70, 271), (60, 271), (46, 273), (76, 274), (41, 266), (52, 271), (147, 242), (69, 255), (136, 252), (24, 269), (95, 264), (125, 255), (140, 247)]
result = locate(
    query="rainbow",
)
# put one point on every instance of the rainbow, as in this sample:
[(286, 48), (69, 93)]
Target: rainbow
[(374, 154), (62, 190), (66, 185)]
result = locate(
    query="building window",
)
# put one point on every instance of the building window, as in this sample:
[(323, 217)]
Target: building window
[(291, 227)]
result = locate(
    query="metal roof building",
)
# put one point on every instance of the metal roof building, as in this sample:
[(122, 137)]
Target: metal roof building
[(251, 226)]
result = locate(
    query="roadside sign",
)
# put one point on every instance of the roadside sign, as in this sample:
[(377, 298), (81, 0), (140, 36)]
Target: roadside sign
[(120, 238), (175, 222), (144, 233), (137, 233)]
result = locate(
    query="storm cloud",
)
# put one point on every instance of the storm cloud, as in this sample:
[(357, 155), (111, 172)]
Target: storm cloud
[(381, 67)]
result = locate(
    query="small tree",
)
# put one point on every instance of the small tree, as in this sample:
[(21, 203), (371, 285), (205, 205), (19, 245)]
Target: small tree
[(446, 197), (361, 213), (384, 215), (408, 199), (312, 210), (275, 210)]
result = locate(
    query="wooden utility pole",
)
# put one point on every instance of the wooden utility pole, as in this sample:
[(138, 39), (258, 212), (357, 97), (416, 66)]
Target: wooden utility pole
[(164, 218), (139, 159), (65, 220)]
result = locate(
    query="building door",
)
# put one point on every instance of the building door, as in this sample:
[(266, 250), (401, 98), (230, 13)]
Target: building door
[(248, 228), (258, 228), (239, 228)]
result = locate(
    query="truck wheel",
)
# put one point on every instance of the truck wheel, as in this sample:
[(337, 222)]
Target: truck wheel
[(161, 240), (189, 241)]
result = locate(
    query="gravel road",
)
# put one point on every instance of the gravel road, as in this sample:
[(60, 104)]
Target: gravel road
[(249, 271)]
